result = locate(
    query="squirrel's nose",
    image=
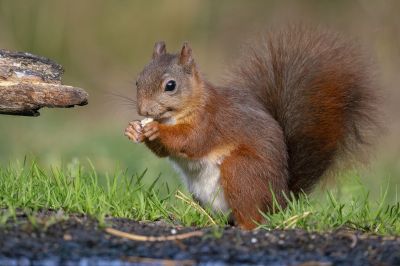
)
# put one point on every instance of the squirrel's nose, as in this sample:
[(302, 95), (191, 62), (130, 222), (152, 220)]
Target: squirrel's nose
[(147, 108), (144, 108), (142, 111)]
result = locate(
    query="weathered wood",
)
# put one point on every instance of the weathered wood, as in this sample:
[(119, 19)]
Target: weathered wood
[(29, 82)]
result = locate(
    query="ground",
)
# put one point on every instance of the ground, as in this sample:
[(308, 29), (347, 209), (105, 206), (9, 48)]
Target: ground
[(354, 228), (56, 238)]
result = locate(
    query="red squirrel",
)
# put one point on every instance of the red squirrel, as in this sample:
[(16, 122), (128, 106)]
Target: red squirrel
[(299, 99)]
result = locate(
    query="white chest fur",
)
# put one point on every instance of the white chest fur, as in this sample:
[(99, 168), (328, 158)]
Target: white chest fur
[(202, 178)]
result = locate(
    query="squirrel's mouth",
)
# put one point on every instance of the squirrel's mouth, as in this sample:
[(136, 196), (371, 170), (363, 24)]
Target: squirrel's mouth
[(167, 114)]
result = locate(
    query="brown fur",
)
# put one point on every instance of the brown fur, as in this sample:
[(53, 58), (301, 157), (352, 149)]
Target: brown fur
[(156, 147), (247, 180), (296, 101), (318, 87)]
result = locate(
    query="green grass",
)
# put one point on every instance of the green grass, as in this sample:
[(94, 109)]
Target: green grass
[(357, 212), (76, 189)]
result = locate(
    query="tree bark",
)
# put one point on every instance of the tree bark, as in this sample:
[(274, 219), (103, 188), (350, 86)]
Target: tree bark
[(29, 82)]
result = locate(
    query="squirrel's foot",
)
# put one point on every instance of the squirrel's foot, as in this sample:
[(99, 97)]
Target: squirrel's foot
[(134, 131), (151, 130)]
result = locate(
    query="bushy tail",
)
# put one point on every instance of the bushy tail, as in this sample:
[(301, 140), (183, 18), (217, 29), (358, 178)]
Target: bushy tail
[(318, 87)]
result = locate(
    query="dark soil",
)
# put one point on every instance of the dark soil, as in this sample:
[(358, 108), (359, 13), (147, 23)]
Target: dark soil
[(54, 239)]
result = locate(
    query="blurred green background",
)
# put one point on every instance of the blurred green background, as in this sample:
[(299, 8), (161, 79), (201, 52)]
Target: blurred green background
[(104, 44)]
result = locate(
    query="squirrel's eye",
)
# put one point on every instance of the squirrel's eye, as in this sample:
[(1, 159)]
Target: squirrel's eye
[(170, 86)]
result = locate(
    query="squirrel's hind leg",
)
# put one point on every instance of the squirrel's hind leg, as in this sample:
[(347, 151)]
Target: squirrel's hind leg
[(248, 182)]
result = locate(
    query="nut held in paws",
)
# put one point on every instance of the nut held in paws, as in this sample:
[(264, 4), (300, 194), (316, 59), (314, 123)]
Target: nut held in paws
[(146, 121)]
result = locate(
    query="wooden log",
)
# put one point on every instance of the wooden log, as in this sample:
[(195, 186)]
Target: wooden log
[(29, 82)]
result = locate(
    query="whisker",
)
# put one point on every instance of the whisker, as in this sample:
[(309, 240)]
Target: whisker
[(126, 101), (128, 104), (125, 98)]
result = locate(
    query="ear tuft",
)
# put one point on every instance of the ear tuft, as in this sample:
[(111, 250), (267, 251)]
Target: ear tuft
[(186, 55), (159, 49)]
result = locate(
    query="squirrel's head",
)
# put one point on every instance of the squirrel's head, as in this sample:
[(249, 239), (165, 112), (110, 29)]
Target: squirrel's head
[(167, 85)]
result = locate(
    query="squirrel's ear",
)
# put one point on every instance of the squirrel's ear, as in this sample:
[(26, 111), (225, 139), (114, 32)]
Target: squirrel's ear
[(186, 55), (159, 49)]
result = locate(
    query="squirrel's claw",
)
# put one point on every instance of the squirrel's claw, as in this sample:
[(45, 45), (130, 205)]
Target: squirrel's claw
[(134, 132), (151, 131)]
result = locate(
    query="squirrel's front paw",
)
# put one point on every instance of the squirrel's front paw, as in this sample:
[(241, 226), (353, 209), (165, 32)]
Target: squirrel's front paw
[(151, 130), (134, 131)]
